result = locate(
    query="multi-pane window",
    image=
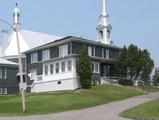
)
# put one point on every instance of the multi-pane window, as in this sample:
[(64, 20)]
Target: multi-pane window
[(46, 69), (51, 68), (113, 54), (63, 50), (3, 73), (34, 57), (95, 67), (98, 51), (69, 65), (45, 55), (57, 68), (63, 66)]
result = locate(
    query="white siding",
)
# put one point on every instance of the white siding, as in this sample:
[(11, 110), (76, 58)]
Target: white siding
[(68, 79)]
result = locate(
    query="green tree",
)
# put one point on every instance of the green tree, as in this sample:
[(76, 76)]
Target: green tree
[(122, 62), (135, 63), (84, 68), (148, 65)]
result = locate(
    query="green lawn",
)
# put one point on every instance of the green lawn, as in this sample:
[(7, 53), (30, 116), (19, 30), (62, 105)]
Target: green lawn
[(151, 89), (146, 111), (57, 102)]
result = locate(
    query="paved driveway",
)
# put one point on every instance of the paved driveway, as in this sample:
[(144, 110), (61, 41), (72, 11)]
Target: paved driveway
[(109, 111)]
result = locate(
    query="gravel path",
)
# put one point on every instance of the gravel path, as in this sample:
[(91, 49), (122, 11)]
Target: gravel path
[(108, 111)]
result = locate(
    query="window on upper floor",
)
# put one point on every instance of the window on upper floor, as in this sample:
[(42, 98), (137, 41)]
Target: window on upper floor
[(69, 65), (63, 66), (45, 55), (90, 51), (63, 50), (34, 57), (113, 54), (98, 51)]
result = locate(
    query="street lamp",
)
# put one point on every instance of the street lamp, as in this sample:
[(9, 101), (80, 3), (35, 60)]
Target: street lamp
[(15, 28)]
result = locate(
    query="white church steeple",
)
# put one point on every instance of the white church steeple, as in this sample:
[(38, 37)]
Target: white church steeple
[(104, 28), (16, 16)]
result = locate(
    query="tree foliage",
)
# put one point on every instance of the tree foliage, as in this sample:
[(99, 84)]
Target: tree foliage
[(84, 68), (135, 63)]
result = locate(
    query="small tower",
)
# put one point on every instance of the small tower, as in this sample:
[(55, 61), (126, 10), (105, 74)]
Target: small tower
[(104, 28), (16, 16)]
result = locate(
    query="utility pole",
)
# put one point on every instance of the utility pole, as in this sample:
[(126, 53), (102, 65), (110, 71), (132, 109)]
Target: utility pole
[(20, 71)]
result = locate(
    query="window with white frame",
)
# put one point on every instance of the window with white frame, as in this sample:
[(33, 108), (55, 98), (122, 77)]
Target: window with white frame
[(45, 55), (34, 57), (4, 73), (63, 50), (69, 65), (57, 67), (95, 67), (63, 66), (90, 51), (46, 69), (51, 68), (0, 73)]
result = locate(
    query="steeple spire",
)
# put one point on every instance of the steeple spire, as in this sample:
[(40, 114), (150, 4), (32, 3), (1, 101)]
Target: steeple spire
[(104, 8), (104, 28), (16, 15)]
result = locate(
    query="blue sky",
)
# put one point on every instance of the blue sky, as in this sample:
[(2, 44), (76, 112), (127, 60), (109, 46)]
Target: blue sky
[(133, 21)]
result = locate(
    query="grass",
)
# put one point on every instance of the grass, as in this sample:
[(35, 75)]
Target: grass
[(58, 102), (146, 111), (151, 89)]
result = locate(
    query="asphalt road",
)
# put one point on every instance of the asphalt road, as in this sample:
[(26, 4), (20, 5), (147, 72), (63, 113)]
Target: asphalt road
[(108, 111)]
